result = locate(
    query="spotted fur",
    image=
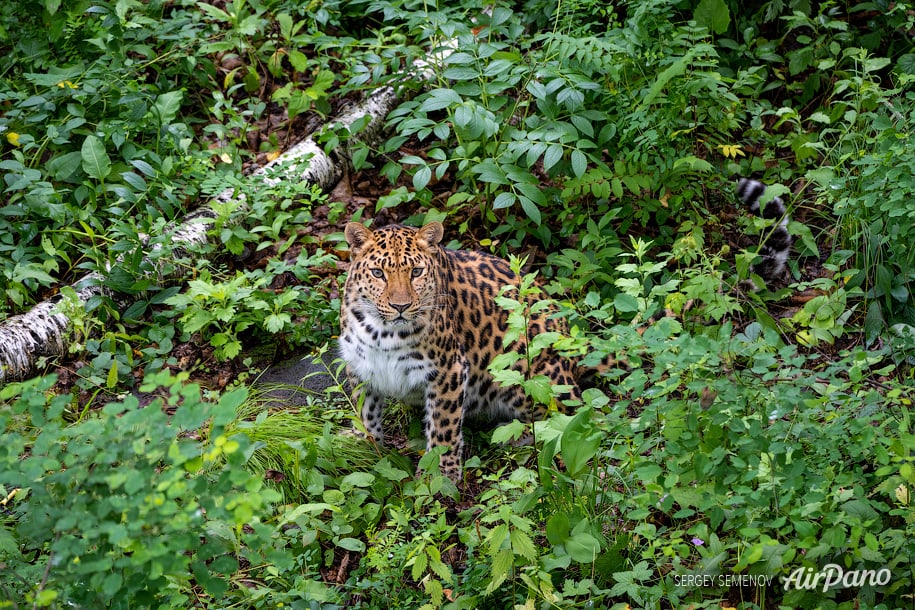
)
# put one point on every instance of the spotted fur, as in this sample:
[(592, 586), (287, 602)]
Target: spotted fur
[(775, 250), (419, 323)]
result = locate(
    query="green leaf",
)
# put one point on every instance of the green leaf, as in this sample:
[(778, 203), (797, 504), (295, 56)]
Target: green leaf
[(228, 405), (509, 432), (167, 106), (530, 208), (95, 160), (112, 379), (351, 544), (215, 13), (422, 177), (648, 472), (583, 125), (874, 322), (579, 163), (112, 584), (276, 322), (820, 117), (557, 528), (8, 545), (583, 547), (299, 61), (439, 99), (552, 156), (419, 566), (580, 442), (906, 63), (522, 545), (625, 303), (713, 14), (539, 389), (497, 537), (504, 200), (616, 185), (502, 563), (357, 479), (64, 167)]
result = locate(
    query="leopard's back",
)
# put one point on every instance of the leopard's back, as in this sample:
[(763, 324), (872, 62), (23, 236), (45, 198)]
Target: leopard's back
[(474, 281)]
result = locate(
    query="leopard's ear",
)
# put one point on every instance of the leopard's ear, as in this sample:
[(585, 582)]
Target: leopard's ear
[(358, 237), (431, 234)]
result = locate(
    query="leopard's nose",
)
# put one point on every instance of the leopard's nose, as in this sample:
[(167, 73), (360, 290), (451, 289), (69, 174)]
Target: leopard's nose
[(401, 307)]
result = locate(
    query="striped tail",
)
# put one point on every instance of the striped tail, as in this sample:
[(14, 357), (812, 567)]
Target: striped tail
[(775, 250)]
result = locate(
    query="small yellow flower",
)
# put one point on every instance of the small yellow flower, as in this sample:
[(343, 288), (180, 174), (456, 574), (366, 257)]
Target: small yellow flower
[(731, 150), (13, 138), (67, 84)]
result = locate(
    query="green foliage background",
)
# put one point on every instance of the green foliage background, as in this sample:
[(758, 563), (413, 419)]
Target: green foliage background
[(740, 442)]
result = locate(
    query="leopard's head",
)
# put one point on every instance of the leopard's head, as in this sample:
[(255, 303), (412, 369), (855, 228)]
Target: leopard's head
[(393, 276)]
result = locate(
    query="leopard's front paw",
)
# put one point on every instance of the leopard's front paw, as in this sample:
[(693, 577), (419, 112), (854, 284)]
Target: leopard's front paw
[(356, 433), (450, 466)]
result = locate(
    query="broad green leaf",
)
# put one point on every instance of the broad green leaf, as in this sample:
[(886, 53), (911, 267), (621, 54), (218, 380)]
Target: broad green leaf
[(625, 303), (579, 163), (539, 389), (522, 545), (616, 185), (557, 528), (906, 63), (215, 13), (873, 321), (713, 14), (509, 432), (530, 208), (420, 561), (358, 479), (583, 125), (533, 192), (95, 160), (439, 99), (299, 61), (580, 442), (552, 156), (64, 167), (351, 544), (422, 177), (504, 200), (583, 547)]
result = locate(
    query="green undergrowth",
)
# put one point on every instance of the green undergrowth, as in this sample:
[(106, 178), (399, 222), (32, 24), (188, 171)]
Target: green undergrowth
[(715, 461), (750, 437), (301, 447)]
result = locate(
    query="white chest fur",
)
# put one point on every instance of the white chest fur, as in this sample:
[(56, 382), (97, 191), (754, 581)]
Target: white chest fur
[(389, 364)]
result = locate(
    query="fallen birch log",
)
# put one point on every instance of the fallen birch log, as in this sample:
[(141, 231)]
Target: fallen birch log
[(44, 330)]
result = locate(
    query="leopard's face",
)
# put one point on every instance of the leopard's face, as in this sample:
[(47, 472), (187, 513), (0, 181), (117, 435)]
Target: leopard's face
[(393, 277)]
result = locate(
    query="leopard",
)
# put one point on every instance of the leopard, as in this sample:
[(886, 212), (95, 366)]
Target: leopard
[(419, 323)]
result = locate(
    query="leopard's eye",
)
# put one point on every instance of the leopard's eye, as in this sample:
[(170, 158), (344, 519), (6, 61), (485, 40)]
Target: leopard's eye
[(417, 271), (377, 273)]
